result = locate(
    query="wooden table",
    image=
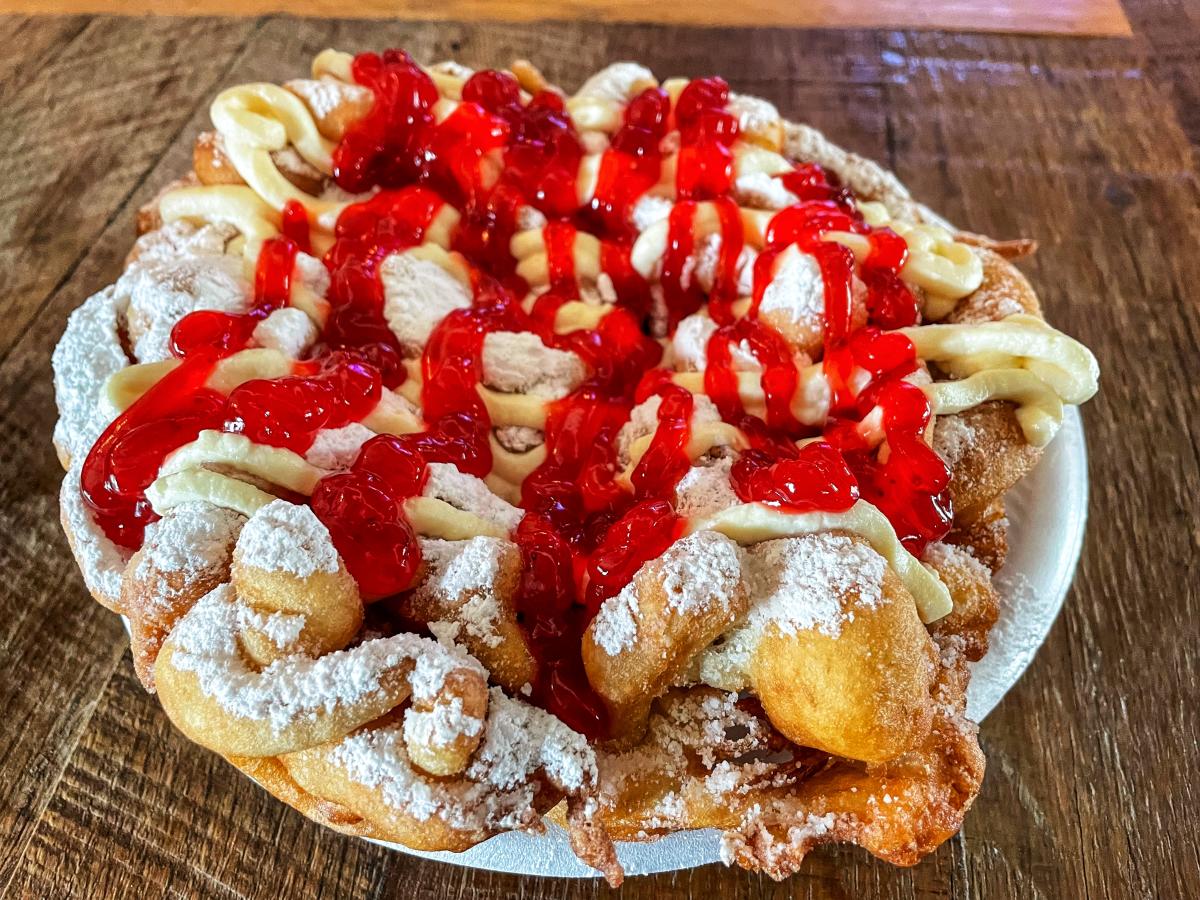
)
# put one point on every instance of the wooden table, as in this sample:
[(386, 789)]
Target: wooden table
[(1088, 145)]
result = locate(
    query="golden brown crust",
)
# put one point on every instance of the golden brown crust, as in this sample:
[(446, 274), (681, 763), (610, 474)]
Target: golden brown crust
[(333, 120), (210, 163), (669, 637), (986, 537), (148, 216), (501, 647), (1018, 248), (863, 693), (991, 463), (273, 776), (1004, 291)]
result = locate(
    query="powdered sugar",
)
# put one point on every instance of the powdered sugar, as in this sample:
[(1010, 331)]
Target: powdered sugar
[(336, 449), (418, 293), (445, 482), (697, 573), (518, 362), (193, 540), (294, 687), (100, 560), (288, 330), (643, 420), (323, 96), (755, 115), (705, 263), (87, 355), (440, 726), (952, 437), (815, 582), (689, 346), (286, 537), (796, 291), (943, 556), (771, 853), (161, 290), (760, 191), (312, 273), (182, 238), (498, 787), (650, 208), (704, 491), (615, 627), (466, 573)]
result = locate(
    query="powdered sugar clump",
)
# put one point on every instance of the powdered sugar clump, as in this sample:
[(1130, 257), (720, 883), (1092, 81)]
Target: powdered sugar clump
[(193, 540), (754, 114), (796, 291), (418, 293), (643, 420), (336, 449), (649, 209), (704, 491), (445, 482), (689, 346), (760, 191), (311, 272), (466, 573), (440, 726), (101, 561), (287, 537), (706, 264), (162, 290), (87, 355), (497, 789), (288, 330), (323, 96), (518, 362), (771, 853)]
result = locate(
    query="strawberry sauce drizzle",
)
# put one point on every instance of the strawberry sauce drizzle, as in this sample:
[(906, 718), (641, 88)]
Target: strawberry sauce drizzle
[(584, 535)]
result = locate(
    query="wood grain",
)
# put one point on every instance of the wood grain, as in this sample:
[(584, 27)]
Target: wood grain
[(1087, 145), (1090, 17)]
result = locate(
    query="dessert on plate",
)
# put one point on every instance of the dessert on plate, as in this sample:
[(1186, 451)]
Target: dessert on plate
[(464, 453)]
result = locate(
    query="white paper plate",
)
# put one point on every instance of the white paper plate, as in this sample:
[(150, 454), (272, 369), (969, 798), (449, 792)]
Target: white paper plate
[(1047, 511)]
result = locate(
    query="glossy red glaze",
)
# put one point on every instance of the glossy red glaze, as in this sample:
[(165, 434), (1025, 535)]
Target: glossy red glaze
[(127, 457), (633, 162), (295, 225)]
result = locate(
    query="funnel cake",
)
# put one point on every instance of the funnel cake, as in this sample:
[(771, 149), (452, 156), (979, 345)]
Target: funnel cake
[(463, 453)]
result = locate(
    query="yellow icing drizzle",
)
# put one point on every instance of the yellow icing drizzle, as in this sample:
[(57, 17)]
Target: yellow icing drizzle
[(1019, 358), (752, 523)]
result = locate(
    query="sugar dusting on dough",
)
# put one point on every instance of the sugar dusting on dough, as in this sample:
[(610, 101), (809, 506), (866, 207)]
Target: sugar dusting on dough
[(192, 540), (698, 572), (295, 687), (497, 791), (287, 537), (445, 482), (815, 582)]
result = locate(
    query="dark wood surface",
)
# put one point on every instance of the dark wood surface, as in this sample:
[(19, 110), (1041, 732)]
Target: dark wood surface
[(1090, 146)]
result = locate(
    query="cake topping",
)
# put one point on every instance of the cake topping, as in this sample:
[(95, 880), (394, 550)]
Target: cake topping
[(496, 261)]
